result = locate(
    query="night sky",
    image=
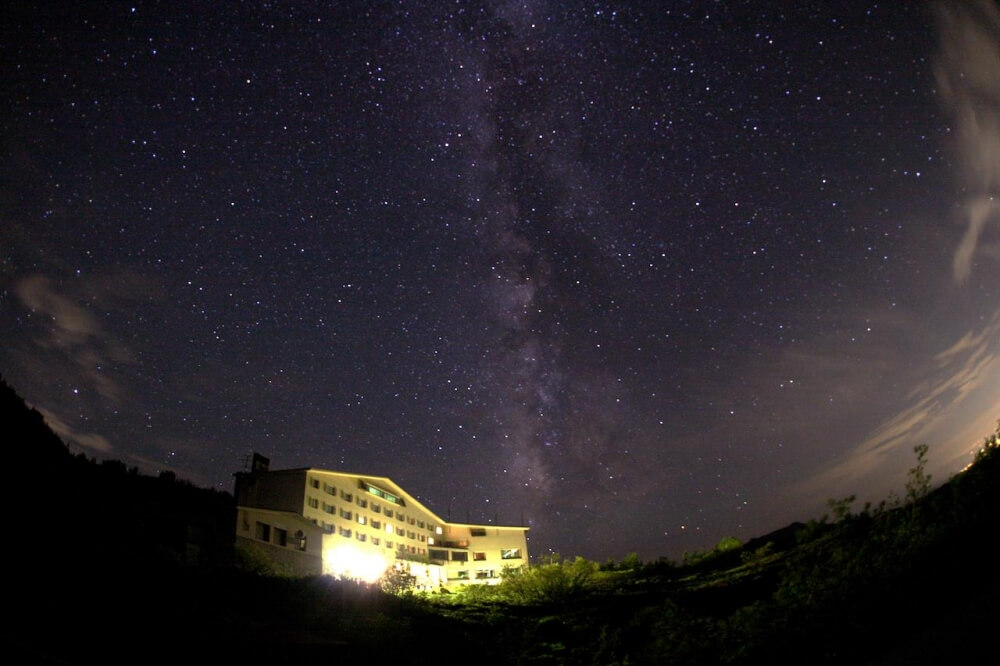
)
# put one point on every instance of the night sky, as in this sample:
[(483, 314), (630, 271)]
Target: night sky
[(643, 275)]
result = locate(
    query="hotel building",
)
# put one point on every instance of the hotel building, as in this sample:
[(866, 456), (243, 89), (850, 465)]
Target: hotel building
[(313, 521)]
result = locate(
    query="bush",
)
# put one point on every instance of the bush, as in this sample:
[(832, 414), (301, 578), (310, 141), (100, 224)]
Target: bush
[(556, 581)]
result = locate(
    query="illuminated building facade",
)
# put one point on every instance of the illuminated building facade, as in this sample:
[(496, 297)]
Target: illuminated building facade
[(311, 521)]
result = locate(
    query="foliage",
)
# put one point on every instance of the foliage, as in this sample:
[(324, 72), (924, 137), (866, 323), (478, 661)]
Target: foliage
[(918, 481), (252, 559), (555, 581), (397, 580)]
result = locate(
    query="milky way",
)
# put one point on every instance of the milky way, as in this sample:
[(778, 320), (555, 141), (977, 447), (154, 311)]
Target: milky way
[(639, 275)]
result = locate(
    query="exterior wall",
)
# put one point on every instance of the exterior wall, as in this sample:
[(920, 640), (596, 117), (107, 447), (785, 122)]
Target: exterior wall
[(489, 549), (366, 524), (290, 541), (278, 491)]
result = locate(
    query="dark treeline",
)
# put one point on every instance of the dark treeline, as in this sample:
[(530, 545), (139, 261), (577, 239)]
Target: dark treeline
[(111, 564)]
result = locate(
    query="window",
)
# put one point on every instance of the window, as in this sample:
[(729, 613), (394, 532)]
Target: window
[(402, 518), (347, 515), (411, 520), (378, 492), (438, 530), (420, 524), (400, 531), (388, 513), (327, 528), (388, 528), (347, 497), (430, 541), (483, 574), (462, 575), (477, 531), (411, 535), (314, 483), (344, 532), (313, 503), (262, 531), (510, 554), (459, 556), (375, 541), (329, 508), (329, 490), (421, 538), (362, 537), (362, 520), (376, 508), (363, 503), (388, 544), (280, 536), (438, 554), (377, 524), (479, 557)]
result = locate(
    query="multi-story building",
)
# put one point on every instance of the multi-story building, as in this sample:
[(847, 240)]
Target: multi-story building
[(312, 521)]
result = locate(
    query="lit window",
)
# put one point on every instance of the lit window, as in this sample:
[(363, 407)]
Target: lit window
[(378, 492), (362, 520), (438, 530), (510, 554), (430, 541), (388, 529)]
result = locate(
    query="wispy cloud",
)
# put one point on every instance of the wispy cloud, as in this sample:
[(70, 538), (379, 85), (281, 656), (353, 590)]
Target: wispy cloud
[(91, 441), (76, 332), (956, 398), (967, 71)]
